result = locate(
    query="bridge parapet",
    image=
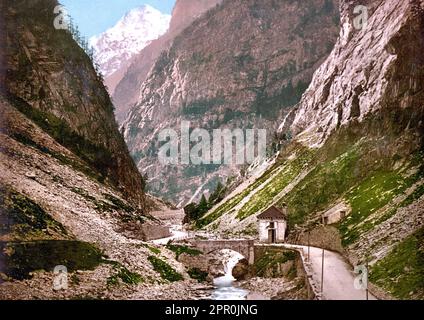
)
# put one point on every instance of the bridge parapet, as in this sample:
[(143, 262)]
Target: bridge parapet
[(244, 247)]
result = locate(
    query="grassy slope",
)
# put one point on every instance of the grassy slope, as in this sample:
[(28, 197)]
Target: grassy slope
[(402, 271), (368, 168)]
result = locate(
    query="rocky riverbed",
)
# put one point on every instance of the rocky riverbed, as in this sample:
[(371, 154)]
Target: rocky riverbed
[(92, 285), (275, 289)]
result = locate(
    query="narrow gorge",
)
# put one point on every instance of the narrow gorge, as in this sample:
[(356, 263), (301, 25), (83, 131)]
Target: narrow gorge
[(88, 211)]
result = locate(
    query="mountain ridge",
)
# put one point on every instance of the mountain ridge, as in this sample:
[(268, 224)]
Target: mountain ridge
[(127, 89), (116, 47), (70, 194), (253, 69), (358, 161)]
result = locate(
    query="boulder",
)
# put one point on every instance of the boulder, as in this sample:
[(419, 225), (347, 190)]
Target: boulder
[(241, 270)]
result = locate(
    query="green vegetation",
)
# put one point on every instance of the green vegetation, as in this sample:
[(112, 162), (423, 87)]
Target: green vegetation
[(25, 140), (243, 60), (75, 280), (269, 265), (118, 203), (418, 193), (263, 198), (21, 258), (165, 270), (25, 219), (268, 106), (233, 202), (112, 204), (153, 249), (225, 207), (180, 249), (370, 195), (376, 191), (194, 212), (230, 115), (123, 274), (323, 185), (162, 63), (98, 157), (198, 274), (365, 189), (100, 205), (198, 58), (401, 272), (83, 193), (250, 230), (218, 195), (350, 167)]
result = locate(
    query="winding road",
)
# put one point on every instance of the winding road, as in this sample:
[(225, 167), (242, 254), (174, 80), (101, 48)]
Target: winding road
[(338, 275)]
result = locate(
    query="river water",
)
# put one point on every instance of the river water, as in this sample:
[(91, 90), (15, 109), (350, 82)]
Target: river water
[(225, 288)]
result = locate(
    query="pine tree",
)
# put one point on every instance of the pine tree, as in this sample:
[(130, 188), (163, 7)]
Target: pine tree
[(71, 27), (203, 206), (191, 213), (217, 195), (91, 53), (77, 34), (83, 44)]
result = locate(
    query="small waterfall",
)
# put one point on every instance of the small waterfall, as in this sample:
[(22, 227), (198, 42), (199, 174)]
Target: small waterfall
[(225, 289)]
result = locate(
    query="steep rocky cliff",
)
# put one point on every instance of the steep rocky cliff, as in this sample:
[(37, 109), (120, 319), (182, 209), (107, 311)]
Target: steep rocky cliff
[(353, 175), (127, 91), (54, 84), (241, 65), (70, 193), (369, 78), (186, 11)]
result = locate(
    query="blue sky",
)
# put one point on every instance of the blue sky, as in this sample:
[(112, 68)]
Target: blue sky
[(95, 16)]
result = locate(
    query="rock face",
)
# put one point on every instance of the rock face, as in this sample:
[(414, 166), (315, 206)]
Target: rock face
[(358, 140), (116, 47), (241, 270), (69, 191), (258, 60), (127, 90), (53, 82), (186, 11), (369, 78), (211, 263)]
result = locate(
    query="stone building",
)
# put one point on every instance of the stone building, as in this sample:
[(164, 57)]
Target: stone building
[(153, 231), (272, 225), (336, 213)]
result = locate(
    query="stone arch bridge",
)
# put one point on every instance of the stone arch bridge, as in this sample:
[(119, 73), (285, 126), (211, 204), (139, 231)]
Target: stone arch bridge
[(244, 247)]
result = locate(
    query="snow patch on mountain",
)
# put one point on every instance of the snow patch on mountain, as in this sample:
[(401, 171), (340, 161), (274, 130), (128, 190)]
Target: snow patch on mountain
[(133, 32)]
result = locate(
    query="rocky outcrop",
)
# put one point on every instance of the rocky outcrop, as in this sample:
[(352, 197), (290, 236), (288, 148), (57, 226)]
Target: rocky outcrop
[(115, 48), (69, 192), (212, 264), (241, 270), (48, 195), (128, 80), (358, 139), (52, 81), (258, 60), (369, 69), (186, 11)]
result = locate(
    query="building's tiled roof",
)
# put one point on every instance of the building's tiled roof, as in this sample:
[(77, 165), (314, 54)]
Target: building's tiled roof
[(273, 213)]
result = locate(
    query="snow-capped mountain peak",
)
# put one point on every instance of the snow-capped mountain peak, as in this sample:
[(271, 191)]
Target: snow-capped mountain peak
[(134, 31)]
